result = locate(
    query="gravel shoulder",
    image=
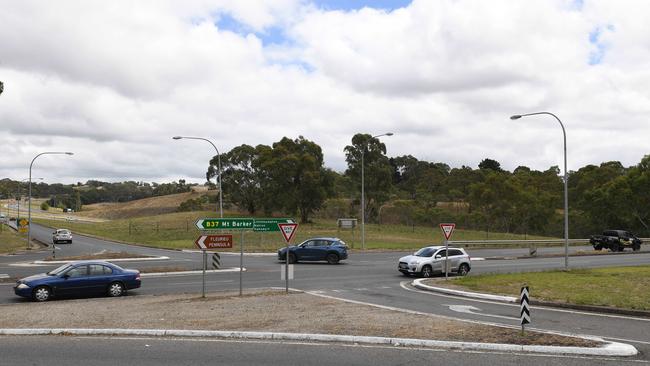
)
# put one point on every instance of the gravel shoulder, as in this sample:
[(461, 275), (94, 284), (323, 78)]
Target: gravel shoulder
[(266, 311)]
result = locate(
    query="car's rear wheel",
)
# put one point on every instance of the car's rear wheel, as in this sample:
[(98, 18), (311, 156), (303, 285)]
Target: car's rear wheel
[(614, 247), (636, 247), (292, 258), (463, 270), (598, 247), (42, 293), (332, 258), (427, 271), (115, 289)]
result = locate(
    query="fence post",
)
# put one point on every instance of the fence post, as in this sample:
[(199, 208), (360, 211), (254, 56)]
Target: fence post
[(129, 227)]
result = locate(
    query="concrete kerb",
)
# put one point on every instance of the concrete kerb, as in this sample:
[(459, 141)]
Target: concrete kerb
[(610, 348), (510, 299)]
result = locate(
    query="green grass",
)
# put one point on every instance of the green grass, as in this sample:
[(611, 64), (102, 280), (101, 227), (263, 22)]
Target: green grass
[(10, 241), (177, 231), (620, 287)]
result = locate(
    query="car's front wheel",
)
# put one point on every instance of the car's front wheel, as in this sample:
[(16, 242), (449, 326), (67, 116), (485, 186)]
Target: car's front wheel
[(292, 258), (42, 293), (427, 271), (115, 289)]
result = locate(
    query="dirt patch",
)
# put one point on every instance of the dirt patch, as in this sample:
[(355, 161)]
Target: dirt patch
[(266, 311), (98, 256)]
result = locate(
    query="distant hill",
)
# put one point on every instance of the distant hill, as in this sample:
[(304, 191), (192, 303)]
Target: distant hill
[(143, 207)]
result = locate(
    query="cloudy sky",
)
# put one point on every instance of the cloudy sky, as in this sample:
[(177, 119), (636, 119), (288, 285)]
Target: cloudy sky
[(113, 81)]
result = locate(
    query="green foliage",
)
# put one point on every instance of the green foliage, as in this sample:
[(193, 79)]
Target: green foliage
[(193, 204), (378, 173), (45, 206)]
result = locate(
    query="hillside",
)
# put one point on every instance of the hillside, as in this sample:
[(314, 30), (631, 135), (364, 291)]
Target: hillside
[(144, 207)]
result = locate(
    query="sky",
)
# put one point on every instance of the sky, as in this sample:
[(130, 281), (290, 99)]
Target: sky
[(113, 81)]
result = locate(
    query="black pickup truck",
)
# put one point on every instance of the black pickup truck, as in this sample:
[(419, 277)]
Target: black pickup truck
[(615, 240)]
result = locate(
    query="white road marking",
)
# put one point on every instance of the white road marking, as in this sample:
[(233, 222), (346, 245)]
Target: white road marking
[(468, 309), (3, 275)]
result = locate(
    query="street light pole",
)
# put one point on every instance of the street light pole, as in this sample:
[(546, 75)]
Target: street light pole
[(566, 189), (29, 199), (218, 167), (363, 193)]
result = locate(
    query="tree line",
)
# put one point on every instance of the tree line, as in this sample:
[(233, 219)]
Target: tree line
[(290, 177)]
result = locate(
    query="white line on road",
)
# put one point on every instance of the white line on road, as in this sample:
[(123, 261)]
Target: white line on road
[(2, 275)]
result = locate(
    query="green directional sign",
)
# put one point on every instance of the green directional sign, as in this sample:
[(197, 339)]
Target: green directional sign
[(264, 225), (225, 224)]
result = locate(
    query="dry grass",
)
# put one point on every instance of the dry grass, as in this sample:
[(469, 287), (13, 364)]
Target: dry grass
[(266, 311), (138, 208)]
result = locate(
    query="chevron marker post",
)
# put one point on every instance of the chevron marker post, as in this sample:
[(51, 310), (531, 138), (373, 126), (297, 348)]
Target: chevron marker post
[(524, 308), (216, 261)]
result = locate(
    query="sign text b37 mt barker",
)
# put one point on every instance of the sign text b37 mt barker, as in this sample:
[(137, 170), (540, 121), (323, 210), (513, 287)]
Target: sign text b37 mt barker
[(225, 224)]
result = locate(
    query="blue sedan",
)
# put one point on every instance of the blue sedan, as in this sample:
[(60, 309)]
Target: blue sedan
[(79, 279), (331, 250)]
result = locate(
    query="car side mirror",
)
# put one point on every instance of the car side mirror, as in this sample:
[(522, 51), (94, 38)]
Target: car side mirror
[(438, 256), (65, 276)]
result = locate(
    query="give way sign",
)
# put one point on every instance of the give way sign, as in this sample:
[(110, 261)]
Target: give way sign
[(447, 230), (288, 230)]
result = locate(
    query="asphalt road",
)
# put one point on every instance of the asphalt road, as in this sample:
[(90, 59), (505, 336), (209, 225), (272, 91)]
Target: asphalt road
[(367, 277), (158, 352)]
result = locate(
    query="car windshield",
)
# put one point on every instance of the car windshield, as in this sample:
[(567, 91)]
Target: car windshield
[(59, 270), (424, 252), (63, 232)]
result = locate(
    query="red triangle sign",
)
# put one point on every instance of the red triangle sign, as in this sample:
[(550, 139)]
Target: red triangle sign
[(447, 230), (287, 230)]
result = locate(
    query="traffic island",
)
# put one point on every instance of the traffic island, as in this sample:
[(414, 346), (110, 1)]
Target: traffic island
[(617, 290), (274, 315)]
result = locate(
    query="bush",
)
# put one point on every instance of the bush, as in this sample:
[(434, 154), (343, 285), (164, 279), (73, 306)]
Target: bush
[(45, 206)]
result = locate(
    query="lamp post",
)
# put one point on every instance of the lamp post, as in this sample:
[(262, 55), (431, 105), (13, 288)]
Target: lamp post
[(363, 192), (566, 190), (29, 199), (219, 166)]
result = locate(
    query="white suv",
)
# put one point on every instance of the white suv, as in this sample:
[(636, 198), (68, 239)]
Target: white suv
[(429, 260), (62, 236)]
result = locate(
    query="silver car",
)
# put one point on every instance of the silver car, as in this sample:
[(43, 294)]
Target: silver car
[(431, 260), (62, 236)]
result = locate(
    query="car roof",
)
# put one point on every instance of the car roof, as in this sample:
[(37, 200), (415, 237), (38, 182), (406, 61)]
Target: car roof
[(91, 261), (324, 238), (438, 247)]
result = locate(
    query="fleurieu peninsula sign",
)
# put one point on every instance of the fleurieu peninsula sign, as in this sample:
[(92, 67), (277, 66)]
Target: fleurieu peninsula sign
[(214, 241), (225, 224)]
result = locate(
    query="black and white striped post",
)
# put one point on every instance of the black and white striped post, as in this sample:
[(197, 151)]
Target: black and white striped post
[(216, 261), (524, 308)]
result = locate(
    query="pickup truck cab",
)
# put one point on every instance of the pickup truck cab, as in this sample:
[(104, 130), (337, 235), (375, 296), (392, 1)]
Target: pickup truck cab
[(615, 241)]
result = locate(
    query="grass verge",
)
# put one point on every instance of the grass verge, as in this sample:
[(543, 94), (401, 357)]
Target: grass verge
[(98, 256), (177, 231), (619, 287), (10, 240)]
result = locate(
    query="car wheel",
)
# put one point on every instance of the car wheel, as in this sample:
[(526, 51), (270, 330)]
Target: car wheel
[(332, 258), (463, 270), (427, 271), (598, 247), (115, 289), (42, 293), (292, 258), (614, 247), (636, 247)]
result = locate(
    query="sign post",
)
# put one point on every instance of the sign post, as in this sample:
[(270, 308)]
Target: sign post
[(204, 265), (525, 311), (447, 230), (287, 230)]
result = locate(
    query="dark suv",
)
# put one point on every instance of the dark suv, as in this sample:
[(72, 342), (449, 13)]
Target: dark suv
[(331, 250), (616, 241)]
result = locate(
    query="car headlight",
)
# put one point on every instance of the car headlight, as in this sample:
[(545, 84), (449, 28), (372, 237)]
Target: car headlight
[(22, 286)]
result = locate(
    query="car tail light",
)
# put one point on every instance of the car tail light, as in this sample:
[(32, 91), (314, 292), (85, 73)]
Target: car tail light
[(137, 276)]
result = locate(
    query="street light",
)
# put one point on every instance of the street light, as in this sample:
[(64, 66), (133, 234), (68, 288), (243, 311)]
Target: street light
[(29, 200), (218, 162), (363, 203), (566, 190)]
